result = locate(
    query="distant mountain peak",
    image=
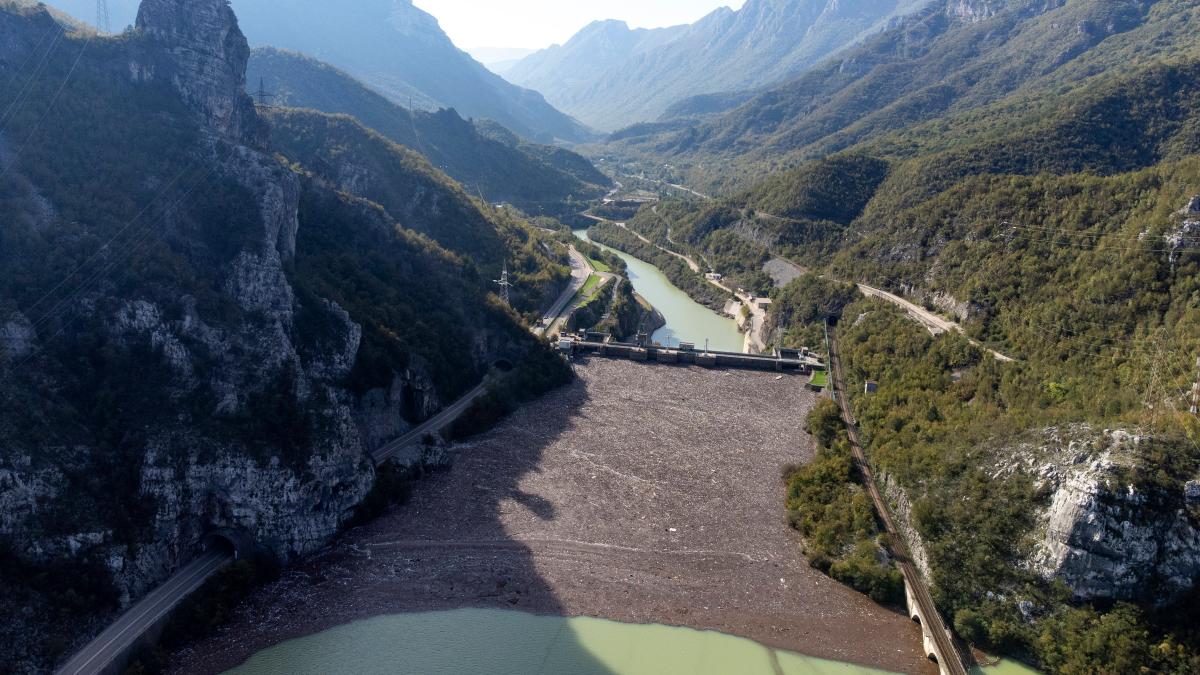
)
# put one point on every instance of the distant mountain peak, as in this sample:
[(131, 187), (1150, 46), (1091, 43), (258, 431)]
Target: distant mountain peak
[(412, 21), (610, 76), (400, 50)]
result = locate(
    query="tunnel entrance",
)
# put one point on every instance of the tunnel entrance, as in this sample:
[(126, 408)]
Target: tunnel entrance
[(235, 542)]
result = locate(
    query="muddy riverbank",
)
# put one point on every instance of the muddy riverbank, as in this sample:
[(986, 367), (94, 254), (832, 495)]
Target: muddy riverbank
[(643, 494)]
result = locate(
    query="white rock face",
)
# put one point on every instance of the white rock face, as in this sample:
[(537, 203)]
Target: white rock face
[(1104, 538), (902, 508), (23, 489), (973, 11), (196, 481)]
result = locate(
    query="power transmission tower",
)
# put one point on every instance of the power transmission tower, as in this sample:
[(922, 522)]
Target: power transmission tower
[(504, 285), (262, 96), (102, 21)]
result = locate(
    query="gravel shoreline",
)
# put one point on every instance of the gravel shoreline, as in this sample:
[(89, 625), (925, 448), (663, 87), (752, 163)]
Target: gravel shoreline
[(644, 494)]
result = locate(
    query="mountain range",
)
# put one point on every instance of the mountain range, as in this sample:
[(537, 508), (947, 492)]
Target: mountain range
[(401, 51), (211, 310), (610, 76), (501, 168), (392, 46), (1019, 62)]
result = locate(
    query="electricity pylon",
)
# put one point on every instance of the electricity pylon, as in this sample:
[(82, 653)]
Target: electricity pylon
[(504, 285), (102, 21), (264, 98)]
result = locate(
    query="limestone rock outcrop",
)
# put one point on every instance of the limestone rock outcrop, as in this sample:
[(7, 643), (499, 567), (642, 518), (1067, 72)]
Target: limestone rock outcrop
[(973, 11), (217, 348), (1103, 536), (198, 47)]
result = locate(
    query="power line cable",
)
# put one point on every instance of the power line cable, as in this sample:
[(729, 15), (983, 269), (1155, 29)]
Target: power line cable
[(108, 243), (54, 100), (132, 246), (23, 94), (33, 52)]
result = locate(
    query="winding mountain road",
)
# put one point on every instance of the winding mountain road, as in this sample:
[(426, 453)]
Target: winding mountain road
[(936, 324)]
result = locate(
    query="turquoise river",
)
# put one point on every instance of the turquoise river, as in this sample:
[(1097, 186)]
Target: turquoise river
[(687, 320), (497, 642)]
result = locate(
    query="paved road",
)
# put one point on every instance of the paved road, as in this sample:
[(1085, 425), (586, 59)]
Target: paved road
[(581, 271), (118, 638), (929, 611), (690, 263), (129, 628), (432, 426), (936, 324)]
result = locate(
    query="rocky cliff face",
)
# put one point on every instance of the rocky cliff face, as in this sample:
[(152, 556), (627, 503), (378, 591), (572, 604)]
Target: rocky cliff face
[(974, 11), (198, 48), (1105, 538), (256, 353)]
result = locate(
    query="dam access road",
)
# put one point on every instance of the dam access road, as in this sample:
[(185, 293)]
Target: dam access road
[(639, 493)]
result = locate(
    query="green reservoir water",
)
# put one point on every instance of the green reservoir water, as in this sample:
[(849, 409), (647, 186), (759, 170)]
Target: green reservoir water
[(687, 320), (495, 642)]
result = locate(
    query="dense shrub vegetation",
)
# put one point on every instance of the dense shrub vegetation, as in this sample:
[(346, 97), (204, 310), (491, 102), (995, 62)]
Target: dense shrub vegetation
[(827, 505), (1048, 222), (941, 406), (801, 309)]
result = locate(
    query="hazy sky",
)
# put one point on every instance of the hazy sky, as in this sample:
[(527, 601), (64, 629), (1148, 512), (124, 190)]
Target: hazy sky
[(532, 24), (540, 23)]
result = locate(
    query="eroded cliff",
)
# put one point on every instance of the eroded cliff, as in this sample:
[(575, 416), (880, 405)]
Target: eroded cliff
[(216, 338)]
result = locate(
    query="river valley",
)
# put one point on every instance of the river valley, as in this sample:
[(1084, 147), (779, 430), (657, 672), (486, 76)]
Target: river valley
[(639, 494), (687, 320)]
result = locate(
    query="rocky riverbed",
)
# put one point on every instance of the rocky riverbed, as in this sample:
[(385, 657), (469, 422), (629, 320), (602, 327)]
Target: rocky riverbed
[(639, 494)]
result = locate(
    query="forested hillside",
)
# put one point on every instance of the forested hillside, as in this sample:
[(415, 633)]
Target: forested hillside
[(358, 161), (198, 333), (482, 155), (1011, 67), (1028, 169)]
